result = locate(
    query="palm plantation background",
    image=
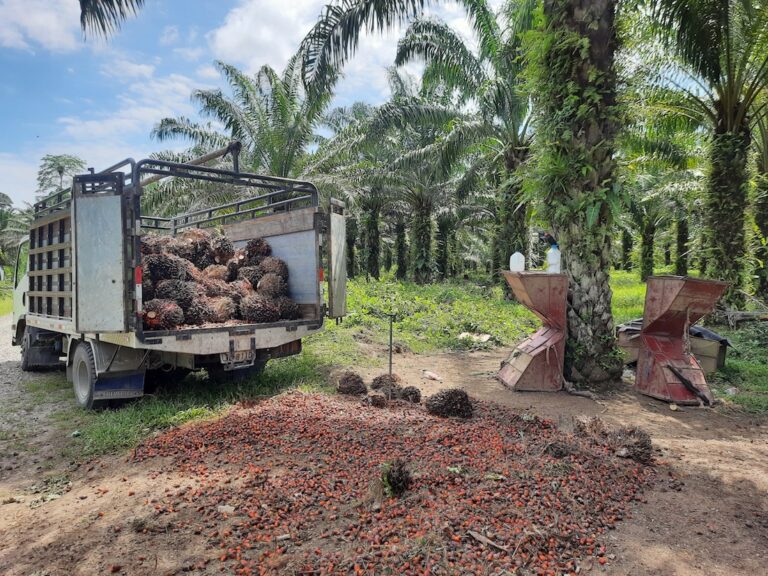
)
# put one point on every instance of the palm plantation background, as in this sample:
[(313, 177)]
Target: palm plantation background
[(634, 131)]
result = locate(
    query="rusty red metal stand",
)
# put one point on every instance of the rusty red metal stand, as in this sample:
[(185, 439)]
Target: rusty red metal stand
[(537, 363), (666, 369)]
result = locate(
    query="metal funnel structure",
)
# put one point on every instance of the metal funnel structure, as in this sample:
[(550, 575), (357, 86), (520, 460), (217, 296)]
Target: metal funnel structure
[(666, 369), (537, 363)]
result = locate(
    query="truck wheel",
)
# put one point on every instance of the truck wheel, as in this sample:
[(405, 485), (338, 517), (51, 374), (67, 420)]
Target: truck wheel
[(218, 374), (84, 375), (25, 364)]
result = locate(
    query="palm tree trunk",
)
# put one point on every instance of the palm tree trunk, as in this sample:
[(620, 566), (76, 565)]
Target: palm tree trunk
[(444, 227), (373, 241), (627, 243), (351, 241), (387, 257), (578, 113), (726, 203), (667, 253), (421, 230), (681, 249), (761, 219), (401, 249), (647, 240)]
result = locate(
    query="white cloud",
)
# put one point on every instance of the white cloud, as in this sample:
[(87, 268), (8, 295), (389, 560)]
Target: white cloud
[(208, 72), (169, 35), (19, 178), (255, 33), (51, 24), (122, 68), (190, 54)]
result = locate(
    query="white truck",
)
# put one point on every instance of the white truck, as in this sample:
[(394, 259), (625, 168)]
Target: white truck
[(78, 281)]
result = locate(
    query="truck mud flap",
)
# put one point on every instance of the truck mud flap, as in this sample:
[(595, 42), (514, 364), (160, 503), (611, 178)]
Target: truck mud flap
[(118, 387)]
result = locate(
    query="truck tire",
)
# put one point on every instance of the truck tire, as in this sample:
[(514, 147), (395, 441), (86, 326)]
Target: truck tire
[(219, 375), (84, 375), (26, 366)]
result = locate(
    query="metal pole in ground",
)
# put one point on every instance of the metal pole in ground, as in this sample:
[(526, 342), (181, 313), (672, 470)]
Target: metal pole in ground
[(391, 321)]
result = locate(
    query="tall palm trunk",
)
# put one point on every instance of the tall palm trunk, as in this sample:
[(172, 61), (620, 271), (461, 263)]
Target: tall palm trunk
[(421, 231), (401, 249), (445, 228), (373, 241), (681, 245), (387, 258), (726, 202), (761, 219), (351, 239), (627, 243), (576, 90), (647, 241)]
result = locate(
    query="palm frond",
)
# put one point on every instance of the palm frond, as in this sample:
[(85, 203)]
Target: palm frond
[(105, 16)]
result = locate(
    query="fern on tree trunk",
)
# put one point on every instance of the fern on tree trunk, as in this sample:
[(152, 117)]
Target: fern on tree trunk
[(576, 90)]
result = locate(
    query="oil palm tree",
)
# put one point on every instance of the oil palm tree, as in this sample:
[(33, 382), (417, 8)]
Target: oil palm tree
[(492, 79), (722, 51), (575, 82), (273, 116), (105, 16)]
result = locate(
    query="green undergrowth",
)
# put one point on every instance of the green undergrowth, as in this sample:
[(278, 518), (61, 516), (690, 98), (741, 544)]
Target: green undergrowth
[(429, 318), (195, 398), (744, 379)]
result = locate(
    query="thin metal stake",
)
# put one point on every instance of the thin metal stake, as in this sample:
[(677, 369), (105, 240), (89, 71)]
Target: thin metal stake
[(391, 320)]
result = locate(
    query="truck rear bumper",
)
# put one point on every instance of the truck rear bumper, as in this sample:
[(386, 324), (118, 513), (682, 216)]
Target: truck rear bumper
[(233, 339)]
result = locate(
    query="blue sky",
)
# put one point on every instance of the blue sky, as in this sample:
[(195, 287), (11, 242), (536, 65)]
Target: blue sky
[(61, 93)]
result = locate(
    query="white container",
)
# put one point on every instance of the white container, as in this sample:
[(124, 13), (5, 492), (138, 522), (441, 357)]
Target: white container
[(553, 260), (516, 262)]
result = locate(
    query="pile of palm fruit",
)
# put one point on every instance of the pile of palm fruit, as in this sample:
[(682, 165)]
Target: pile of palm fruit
[(199, 278)]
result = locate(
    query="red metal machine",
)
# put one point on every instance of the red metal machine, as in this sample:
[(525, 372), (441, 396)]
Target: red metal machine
[(666, 369), (537, 363)]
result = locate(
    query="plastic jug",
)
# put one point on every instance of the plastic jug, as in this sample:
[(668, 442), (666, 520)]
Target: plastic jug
[(553, 259), (516, 262)]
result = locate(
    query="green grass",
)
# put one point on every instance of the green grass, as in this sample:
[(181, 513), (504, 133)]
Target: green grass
[(195, 398), (628, 296), (430, 318), (746, 368)]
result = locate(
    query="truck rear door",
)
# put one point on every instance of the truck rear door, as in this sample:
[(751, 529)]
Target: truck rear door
[(99, 253), (337, 261)]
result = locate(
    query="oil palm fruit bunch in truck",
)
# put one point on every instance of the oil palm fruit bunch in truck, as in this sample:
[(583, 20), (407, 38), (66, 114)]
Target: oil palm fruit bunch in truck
[(124, 299)]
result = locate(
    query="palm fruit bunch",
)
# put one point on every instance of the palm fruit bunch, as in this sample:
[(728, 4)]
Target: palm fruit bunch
[(200, 277), (450, 403)]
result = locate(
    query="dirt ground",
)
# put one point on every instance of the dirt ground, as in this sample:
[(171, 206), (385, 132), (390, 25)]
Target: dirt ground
[(707, 514)]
